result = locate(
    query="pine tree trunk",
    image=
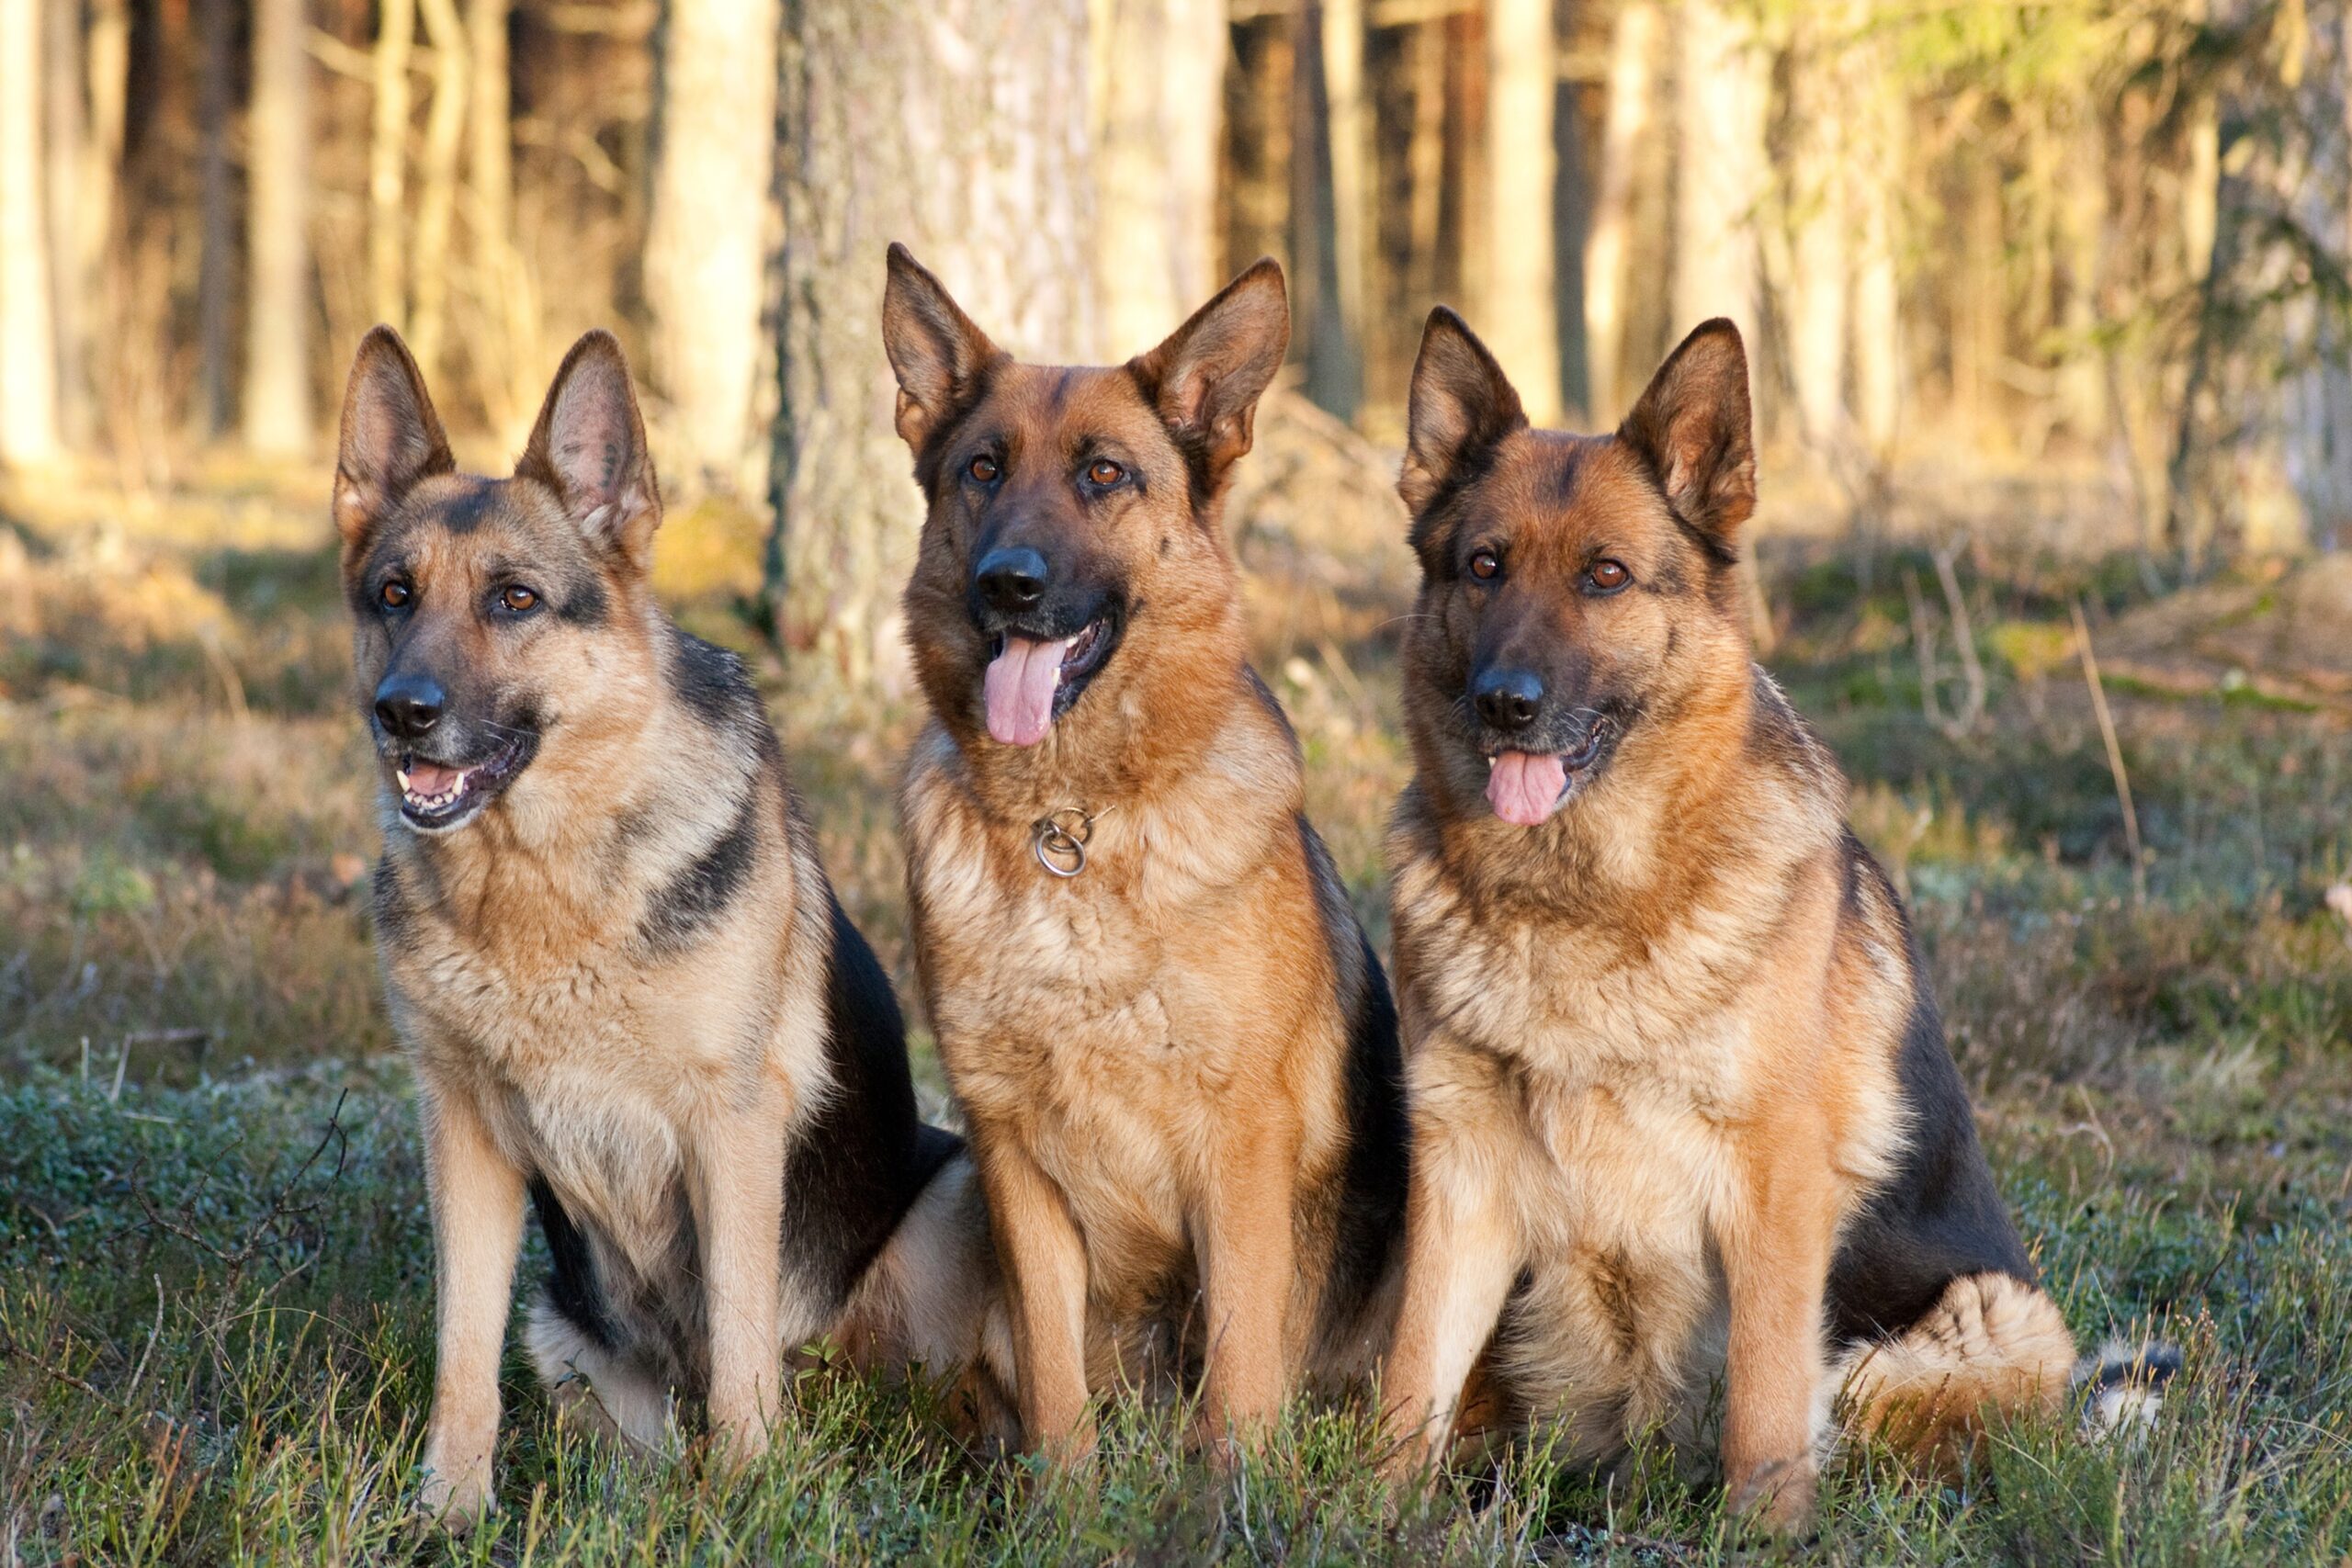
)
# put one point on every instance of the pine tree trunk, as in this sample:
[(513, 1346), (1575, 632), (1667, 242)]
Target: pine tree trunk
[(277, 186), (1720, 170), (29, 426), (388, 164), (1520, 308), (437, 195), (1879, 159), (1815, 184), (1337, 327), (1157, 134), (707, 246), (216, 273), (65, 157), (959, 128), (1608, 246)]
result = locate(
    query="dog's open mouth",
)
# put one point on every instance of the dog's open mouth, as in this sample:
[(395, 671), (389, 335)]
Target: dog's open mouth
[(1526, 787), (1031, 681), (439, 796)]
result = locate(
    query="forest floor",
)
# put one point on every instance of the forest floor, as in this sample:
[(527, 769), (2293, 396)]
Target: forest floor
[(215, 1284)]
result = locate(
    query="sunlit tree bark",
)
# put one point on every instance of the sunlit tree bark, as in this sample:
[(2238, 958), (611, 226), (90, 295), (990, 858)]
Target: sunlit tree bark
[(1157, 134), (277, 413), (709, 238), (28, 425), (1720, 167), (1518, 305), (1633, 51), (960, 129)]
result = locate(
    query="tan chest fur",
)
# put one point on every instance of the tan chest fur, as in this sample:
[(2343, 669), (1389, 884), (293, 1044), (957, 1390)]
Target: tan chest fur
[(1111, 1021), (591, 1059), (1611, 1080)]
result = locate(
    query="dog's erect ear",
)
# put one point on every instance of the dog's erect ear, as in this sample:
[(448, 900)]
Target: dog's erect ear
[(589, 447), (939, 355), (391, 437), (1693, 427), (1461, 404), (1206, 379)]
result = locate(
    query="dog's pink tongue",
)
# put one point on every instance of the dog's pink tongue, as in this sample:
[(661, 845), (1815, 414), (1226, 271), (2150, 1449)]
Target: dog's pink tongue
[(1019, 689), (425, 778), (1524, 788)]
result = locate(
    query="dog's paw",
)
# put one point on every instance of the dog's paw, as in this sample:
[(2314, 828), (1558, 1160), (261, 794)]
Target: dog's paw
[(1778, 1499), (457, 1498)]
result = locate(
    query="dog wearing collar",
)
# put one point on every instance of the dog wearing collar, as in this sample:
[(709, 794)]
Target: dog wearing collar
[(1174, 1048)]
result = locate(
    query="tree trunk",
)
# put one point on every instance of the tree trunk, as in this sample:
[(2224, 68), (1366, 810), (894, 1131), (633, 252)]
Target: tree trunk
[(508, 359), (437, 195), (1878, 159), (1815, 181), (1720, 171), (388, 164), (705, 251), (961, 129), (29, 427), (1519, 310), (216, 273), (277, 187), (1157, 133), (1258, 144), (1633, 53), (1337, 324), (67, 135)]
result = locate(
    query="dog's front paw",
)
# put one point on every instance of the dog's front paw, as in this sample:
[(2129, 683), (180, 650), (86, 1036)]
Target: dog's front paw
[(457, 1496), (1778, 1499)]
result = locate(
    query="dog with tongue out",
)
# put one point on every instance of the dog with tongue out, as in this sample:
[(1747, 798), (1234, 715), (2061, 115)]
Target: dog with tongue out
[(1170, 1040)]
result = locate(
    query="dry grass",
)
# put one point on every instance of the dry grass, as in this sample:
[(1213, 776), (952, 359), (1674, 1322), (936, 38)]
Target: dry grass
[(211, 1350)]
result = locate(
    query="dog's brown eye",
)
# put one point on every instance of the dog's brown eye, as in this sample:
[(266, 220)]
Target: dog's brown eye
[(1608, 576), (1103, 471), (1486, 566), (519, 598), (983, 469), (393, 595)]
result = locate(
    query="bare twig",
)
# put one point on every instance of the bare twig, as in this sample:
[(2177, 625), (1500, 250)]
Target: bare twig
[(1963, 633), (2114, 754)]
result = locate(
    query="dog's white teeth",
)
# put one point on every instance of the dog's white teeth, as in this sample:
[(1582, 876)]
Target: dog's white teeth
[(401, 775)]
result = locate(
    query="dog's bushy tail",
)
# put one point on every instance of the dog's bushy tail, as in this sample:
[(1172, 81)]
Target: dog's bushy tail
[(1992, 1344)]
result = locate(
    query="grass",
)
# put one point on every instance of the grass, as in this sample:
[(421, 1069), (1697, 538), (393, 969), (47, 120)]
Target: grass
[(215, 1284)]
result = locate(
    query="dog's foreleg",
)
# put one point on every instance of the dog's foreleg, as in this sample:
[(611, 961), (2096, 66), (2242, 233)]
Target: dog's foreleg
[(738, 1185), (1776, 1251), (1044, 1260), (1462, 1251), (1245, 1246), (476, 1195)]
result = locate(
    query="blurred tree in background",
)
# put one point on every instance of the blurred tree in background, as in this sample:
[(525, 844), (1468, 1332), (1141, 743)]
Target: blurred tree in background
[(2094, 249)]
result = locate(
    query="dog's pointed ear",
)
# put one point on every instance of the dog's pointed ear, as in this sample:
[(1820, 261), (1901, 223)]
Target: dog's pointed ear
[(939, 356), (1693, 427), (589, 447), (391, 437), (1461, 404), (1206, 379)]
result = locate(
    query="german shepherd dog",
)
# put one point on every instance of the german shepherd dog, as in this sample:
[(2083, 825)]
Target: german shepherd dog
[(1174, 1048), (1684, 1122), (629, 994)]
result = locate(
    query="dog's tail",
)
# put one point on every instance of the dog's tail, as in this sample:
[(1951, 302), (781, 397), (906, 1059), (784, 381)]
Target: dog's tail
[(1992, 1344)]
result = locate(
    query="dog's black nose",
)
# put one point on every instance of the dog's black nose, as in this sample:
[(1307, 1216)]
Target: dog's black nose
[(1011, 580), (1507, 699), (408, 705)]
